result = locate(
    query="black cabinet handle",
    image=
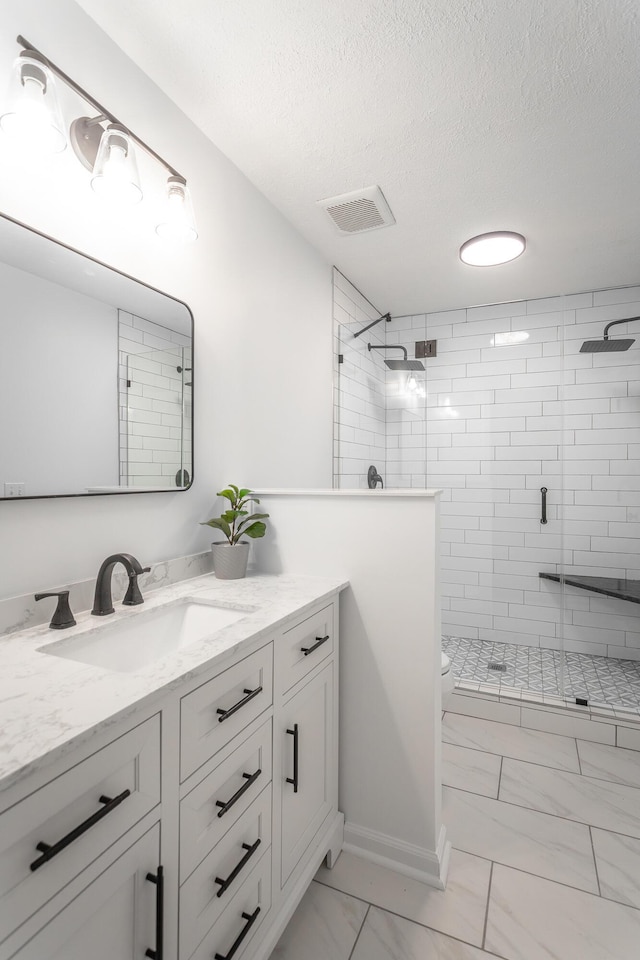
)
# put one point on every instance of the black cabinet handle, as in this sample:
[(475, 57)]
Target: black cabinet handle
[(49, 851), (225, 884), (318, 643), (225, 714), (251, 919), (250, 778), (543, 507), (294, 779), (158, 879)]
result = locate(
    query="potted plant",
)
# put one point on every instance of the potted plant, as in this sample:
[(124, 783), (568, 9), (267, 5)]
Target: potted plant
[(230, 556)]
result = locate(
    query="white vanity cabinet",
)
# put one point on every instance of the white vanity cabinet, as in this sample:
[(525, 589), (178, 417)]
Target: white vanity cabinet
[(192, 830)]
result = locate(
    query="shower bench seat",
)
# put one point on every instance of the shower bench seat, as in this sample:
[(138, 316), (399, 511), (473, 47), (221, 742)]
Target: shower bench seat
[(609, 586)]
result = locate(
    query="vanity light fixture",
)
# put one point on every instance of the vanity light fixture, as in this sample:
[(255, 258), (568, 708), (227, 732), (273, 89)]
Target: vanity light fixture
[(33, 117), (490, 249), (178, 221), (101, 143)]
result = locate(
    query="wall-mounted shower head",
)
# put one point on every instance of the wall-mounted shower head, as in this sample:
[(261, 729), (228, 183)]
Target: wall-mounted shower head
[(404, 364), (606, 345)]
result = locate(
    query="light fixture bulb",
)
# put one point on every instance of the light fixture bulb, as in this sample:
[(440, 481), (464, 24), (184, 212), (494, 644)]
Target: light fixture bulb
[(33, 119), (412, 383), (491, 249), (178, 222), (115, 173)]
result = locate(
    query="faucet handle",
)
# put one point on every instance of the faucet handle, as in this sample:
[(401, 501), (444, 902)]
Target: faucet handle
[(62, 617), (133, 596)]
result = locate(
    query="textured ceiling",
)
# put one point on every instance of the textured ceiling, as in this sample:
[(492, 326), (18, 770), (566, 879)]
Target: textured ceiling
[(472, 115)]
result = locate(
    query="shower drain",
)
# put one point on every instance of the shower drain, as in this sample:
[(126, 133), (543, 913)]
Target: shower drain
[(498, 667)]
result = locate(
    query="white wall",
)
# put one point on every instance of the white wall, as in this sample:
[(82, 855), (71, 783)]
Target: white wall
[(389, 659), (58, 363), (261, 298)]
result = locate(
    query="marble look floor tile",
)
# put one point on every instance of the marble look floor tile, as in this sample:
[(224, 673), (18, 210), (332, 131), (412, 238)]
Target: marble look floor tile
[(618, 863), (534, 919), (387, 937), (611, 806), (509, 741), (609, 763), (471, 770), (324, 927), (525, 839), (458, 910)]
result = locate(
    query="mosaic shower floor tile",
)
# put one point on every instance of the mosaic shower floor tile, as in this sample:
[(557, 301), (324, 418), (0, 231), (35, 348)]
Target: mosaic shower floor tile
[(600, 680)]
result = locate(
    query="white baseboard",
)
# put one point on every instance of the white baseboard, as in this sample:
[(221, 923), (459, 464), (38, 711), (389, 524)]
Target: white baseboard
[(428, 866)]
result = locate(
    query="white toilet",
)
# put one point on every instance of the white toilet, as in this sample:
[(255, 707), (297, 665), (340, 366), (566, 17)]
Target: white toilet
[(447, 681)]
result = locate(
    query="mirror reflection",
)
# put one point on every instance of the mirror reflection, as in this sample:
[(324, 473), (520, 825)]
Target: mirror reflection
[(96, 376)]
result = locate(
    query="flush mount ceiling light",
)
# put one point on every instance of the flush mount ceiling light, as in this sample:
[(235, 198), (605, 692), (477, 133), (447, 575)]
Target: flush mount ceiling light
[(102, 144), (490, 249)]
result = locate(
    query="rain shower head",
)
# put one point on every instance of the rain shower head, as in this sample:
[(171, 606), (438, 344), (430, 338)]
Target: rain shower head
[(403, 364), (606, 345)]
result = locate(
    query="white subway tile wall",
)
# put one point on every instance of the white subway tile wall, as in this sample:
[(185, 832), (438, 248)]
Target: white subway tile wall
[(155, 402), (510, 405), (359, 385)]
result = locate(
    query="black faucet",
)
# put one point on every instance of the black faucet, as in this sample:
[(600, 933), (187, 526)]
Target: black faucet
[(102, 602)]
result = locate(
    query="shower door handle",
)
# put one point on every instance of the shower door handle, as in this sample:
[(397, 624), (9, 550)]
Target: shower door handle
[(543, 506)]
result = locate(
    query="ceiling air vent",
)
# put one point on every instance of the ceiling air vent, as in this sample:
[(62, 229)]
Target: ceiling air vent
[(359, 211)]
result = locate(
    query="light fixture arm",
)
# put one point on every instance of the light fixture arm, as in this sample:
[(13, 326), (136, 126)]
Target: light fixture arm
[(103, 113)]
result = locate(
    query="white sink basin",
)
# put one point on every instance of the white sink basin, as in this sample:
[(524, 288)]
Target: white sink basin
[(129, 645)]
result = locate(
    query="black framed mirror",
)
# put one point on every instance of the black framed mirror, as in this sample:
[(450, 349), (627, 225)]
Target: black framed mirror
[(96, 376)]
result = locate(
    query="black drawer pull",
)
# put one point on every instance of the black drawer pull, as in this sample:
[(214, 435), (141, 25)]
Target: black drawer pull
[(225, 884), (251, 919), (543, 505), (250, 779), (49, 851), (294, 779), (250, 694), (158, 879), (318, 643)]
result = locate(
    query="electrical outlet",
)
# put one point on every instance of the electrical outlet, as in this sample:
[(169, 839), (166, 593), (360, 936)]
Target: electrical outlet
[(14, 489)]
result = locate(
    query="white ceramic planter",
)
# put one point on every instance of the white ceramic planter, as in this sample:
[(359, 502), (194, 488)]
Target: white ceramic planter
[(230, 561)]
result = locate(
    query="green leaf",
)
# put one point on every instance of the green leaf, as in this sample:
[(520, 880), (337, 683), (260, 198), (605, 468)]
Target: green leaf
[(230, 515), (255, 530), (228, 494), (243, 493), (235, 489), (219, 524)]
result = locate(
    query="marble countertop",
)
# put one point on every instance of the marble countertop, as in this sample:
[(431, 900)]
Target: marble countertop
[(50, 704)]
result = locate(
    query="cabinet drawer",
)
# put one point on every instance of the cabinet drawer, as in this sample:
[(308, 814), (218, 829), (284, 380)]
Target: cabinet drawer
[(303, 647), (214, 713), (211, 808), (243, 916), (213, 884), (68, 808)]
